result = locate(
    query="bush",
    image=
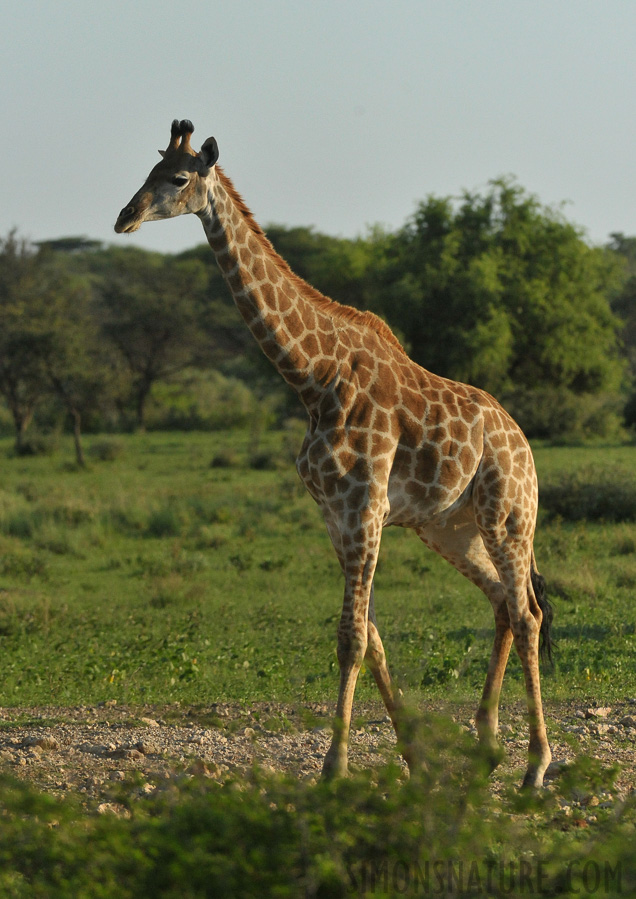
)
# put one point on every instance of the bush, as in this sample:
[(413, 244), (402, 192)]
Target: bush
[(592, 493), (268, 835), (39, 445), (224, 459), (563, 417), (107, 450), (200, 400)]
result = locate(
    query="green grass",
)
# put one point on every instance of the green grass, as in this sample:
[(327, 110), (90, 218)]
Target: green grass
[(156, 576)]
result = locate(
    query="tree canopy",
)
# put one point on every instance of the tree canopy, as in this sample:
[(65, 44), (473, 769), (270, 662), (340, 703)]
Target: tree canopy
[(498, 291)]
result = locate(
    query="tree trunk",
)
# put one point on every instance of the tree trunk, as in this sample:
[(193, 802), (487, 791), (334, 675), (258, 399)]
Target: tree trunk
[(21, 420), (77, 437), (143, 392)]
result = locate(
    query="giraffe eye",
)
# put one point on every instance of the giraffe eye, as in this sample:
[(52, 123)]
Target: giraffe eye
[(180, 180)]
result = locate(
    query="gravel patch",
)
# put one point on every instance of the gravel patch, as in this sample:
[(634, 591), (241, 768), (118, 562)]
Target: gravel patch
[(89, 750)]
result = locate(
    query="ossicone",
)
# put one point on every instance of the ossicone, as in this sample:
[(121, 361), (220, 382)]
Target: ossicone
[(180, 132)]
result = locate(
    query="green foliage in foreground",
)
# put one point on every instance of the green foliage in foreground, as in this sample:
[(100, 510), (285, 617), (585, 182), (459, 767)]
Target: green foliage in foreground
[(195, 568), (374, 833)]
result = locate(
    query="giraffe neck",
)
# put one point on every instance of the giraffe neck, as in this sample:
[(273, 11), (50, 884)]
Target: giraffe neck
[(290, 320)]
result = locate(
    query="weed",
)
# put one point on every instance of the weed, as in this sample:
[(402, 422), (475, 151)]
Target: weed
[(23, 565), (265, 835), (224, 459), (264, 461), (107, 450), (169, 520)]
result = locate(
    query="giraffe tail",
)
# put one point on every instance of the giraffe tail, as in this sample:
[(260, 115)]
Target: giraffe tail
[(541, 595)]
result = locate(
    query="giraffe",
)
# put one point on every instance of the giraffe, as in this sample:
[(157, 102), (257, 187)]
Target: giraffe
[(387, 443)]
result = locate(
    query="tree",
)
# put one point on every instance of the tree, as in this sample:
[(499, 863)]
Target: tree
[(150, 309), (503, 293), (624, 306), (73, 356), (24, 282), (49, 340)]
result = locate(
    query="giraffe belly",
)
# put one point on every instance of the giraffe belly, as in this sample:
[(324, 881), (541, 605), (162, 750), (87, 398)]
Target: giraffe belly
[(437, 492), (412, 508)]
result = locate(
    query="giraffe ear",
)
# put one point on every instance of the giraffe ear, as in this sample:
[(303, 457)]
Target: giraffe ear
[(209, 153)]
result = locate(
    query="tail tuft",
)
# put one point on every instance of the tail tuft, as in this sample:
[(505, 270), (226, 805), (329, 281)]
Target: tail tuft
[(541, 595)]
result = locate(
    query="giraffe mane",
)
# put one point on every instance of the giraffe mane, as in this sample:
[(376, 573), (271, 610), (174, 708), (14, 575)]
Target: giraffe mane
[(337, 310)]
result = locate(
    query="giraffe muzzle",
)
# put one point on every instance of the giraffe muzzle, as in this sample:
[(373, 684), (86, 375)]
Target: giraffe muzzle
[(125, 220)]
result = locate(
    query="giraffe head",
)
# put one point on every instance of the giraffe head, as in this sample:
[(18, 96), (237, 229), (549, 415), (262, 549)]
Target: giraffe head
[(176, 185)]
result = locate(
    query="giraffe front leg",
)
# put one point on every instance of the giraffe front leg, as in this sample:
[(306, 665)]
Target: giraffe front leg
[(352, 645), (358, 554)]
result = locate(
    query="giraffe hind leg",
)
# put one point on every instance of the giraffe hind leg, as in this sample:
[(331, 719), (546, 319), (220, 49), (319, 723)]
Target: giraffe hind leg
[(376, 660), (460, 543), (530, 618)]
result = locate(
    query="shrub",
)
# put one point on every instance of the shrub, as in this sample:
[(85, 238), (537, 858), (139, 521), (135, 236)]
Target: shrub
[(592, 493), (107, 450), (564, 417), (200, 400), (169, 520), (224, 459)]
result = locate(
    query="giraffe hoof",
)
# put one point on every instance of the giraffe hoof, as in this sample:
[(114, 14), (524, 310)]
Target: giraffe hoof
[(492, 756), (334, 765), (532, 782)]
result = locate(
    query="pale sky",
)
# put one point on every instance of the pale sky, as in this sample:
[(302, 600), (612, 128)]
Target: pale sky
[(338, 114)]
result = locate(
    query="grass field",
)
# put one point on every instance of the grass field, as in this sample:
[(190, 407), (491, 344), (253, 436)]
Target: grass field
[(156, 575), (187, 567)]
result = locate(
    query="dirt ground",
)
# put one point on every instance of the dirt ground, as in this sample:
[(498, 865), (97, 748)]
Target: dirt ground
[(92, 750)]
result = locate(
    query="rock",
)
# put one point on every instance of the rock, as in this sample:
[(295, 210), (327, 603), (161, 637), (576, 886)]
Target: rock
[(131, 754), (113, 808), (98, 749), (628, 721), (200, 767), (48, 744), (150, 722), (598, 713), (556, 768)]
